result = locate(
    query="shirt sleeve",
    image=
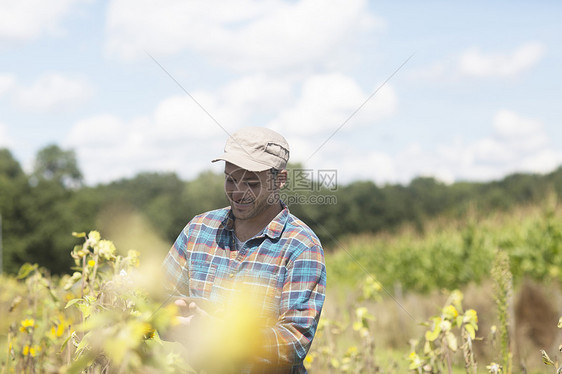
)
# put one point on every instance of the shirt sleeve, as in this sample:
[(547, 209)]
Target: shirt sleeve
[(287, 343), (174, 266)]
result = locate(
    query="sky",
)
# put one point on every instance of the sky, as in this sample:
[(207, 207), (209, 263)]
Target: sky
[(382, 91)]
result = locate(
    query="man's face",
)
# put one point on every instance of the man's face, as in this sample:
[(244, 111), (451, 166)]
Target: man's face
[(248, 192)]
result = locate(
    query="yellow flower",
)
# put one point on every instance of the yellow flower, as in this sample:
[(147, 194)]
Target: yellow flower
[(28, 322), (57, 331), (60, 330), (91, 263), (31, 350)]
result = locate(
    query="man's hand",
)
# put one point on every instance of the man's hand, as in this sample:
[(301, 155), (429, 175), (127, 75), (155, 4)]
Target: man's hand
[(189, 310), (193, 313)]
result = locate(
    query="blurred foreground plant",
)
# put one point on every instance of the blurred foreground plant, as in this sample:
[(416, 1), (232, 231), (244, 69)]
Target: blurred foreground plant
[(98, 320)]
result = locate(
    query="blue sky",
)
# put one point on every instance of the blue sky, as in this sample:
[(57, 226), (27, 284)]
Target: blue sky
[(478, 99)]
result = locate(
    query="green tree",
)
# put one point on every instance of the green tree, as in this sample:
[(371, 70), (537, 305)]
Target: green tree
[(204, 193), (13, 189), (157, 196), (48, 209), (55, 164)]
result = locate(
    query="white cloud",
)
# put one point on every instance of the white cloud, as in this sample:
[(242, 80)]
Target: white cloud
[(243, 34), (328, 100), (515, 144), (520, 133), (53, 91), (258, 93), (5, 139), (372, 165), (350, 162), (110, 148), (475, 63), (177, 136), (29, 19), (7, 82), (509, 124), (542, 161)]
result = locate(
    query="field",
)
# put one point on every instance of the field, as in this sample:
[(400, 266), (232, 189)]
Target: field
[(407, 280), (464, 296)]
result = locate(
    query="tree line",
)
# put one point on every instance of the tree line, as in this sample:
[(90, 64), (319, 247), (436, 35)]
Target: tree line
[(40, 209)]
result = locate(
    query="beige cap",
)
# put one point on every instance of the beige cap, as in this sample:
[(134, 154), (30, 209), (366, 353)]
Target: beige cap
[(256, 149)]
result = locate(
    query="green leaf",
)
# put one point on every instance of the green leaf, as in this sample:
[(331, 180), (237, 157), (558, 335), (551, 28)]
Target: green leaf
[(71, 303), (451, 341), (545, 358), (458, 320), (470, 330), (79, 364), (471, 317), (415, 361), (427, 348), (64, 344), (82, 345), (433, 334), (85, 309), (450, 312), (25, 270)]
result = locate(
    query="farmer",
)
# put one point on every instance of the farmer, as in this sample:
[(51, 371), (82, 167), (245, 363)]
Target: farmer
[(258, 244)]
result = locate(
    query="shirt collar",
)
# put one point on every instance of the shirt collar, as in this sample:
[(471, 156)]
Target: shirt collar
[(274, 229)]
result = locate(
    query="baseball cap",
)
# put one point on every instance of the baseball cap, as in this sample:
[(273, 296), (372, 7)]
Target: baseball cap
[(256, 149)]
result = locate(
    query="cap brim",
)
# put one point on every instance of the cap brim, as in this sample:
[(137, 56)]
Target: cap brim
[(243, 162)]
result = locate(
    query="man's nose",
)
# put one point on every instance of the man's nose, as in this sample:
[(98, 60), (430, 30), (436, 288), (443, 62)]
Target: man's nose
[(243, 191)]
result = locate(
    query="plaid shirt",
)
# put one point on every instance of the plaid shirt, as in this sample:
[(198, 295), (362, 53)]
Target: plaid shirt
[(285, 261)]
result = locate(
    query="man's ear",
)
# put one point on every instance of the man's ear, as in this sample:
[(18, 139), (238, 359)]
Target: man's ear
[(282, 178)]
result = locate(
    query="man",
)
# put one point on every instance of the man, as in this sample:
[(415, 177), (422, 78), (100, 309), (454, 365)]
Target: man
[(256, 242)]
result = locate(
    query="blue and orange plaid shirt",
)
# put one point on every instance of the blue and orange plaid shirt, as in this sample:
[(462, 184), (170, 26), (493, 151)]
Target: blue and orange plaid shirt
[(285, 262)]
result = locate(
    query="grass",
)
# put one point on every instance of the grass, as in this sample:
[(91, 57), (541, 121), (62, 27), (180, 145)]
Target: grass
[(393, 328), (418, 270)]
